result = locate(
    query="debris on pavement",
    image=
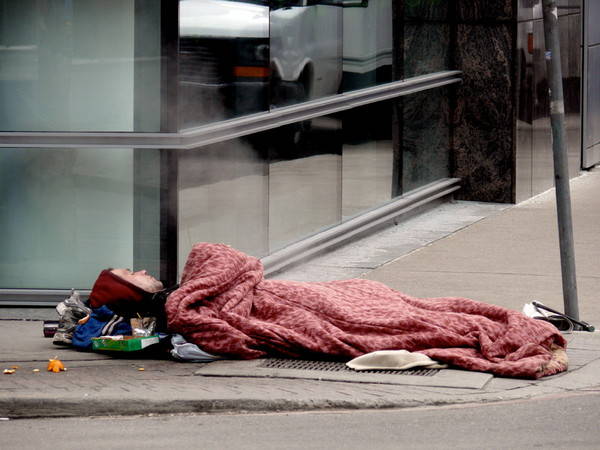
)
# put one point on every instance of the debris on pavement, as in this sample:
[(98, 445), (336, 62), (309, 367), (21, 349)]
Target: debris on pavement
[(55, 365)]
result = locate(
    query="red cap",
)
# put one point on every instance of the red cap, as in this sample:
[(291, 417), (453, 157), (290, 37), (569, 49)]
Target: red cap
[(112, 290)]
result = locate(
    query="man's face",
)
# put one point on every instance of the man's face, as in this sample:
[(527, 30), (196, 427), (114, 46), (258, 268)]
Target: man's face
[(141, 279)]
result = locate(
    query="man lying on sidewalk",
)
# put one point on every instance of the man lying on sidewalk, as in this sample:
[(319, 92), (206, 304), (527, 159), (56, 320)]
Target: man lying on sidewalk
[(226, 307)]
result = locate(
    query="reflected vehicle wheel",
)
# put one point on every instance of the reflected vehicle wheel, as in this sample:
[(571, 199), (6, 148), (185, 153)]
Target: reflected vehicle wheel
[(290, 140), (286, 93)]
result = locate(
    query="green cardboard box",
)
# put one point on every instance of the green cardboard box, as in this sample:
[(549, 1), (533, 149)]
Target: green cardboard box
[(126, 344)]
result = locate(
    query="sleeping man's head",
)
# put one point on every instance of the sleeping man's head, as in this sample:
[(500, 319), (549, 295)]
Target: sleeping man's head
[(123, 289), (141, 279)]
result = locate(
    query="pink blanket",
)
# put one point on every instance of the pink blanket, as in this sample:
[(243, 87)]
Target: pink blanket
[(226, 307)]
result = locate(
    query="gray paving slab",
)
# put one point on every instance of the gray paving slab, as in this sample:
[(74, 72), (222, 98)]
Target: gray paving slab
[(509, 258), (29, 344), (579, 358), (583, 340), (505, 289)]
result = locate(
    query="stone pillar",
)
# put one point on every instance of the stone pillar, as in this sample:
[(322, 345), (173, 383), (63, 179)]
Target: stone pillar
[(483, 138)]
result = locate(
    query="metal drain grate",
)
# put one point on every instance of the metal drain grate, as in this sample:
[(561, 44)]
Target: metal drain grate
[(334, 366)]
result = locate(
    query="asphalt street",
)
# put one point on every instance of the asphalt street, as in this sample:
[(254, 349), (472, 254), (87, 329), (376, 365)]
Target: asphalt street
[(568, 420)]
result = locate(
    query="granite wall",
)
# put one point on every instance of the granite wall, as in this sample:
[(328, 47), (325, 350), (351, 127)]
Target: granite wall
[(483, 141), (501, 126), (425, 125)]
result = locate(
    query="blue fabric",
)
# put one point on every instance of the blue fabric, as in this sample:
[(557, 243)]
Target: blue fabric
[(102, 322)]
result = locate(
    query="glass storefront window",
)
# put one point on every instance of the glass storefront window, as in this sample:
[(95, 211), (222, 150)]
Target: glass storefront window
[(304, 179), (269, 190), (368, 45), (223, 60), (65, 214), (262, 192), (306, 50), (238, 57), (368, 158), (80, 65), (223, 196), (87, 65)]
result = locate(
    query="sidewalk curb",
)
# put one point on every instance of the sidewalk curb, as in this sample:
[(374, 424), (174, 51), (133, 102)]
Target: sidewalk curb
[(20, 408), (583, 378)]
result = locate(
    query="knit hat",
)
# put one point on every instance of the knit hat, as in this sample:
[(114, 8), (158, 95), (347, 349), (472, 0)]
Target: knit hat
[(116, 293)]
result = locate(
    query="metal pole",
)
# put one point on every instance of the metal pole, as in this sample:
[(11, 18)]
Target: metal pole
[(561, 166)]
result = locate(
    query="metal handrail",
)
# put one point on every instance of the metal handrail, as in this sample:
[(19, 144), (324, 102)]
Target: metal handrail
[(232, 128)]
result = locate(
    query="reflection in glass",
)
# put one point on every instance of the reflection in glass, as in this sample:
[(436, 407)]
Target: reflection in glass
[(73, 65), (542, 165), (65, 214), (534, 162), (223, 60), (368, 158), (223, 197), (238, 57), (306, 50), (524, 106), (425, 138), (304, 180), (367, 45), (271, 189), (572, 87)]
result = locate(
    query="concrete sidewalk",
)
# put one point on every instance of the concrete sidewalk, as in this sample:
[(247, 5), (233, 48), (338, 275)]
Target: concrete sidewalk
[(512, 257), (508, 258)]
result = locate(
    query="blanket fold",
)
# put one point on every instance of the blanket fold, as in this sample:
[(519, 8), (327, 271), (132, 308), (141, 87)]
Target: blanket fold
[(226, 307)]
